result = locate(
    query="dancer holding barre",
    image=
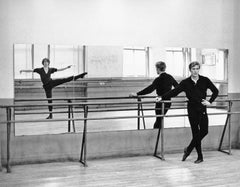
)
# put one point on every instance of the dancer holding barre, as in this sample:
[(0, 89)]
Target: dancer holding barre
[(195, 88), (162, 84), (48, 83)]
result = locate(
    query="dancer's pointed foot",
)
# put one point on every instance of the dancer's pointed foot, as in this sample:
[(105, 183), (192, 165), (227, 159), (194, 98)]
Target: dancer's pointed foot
[(80, 76), (83, 74), (50, 116), (185, 154)]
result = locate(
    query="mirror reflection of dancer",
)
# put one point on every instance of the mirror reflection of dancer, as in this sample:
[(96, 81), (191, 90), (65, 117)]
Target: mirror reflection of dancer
[(162, 84), (48, 83), (195, 88)]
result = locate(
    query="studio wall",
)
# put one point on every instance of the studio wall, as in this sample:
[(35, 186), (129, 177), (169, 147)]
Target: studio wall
[(191, 23)]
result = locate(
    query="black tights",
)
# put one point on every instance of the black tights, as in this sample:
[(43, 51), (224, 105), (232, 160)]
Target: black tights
[(198, 119), (53, 83)]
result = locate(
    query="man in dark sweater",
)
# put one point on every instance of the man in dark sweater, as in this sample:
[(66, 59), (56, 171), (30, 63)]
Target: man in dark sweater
[(48, 83), (162, 84), (195, 88)]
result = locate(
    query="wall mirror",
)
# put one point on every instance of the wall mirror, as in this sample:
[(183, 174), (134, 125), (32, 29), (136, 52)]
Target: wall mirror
[(113, 71)]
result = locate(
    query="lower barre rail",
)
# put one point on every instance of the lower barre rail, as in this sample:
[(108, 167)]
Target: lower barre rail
[(107, 118)]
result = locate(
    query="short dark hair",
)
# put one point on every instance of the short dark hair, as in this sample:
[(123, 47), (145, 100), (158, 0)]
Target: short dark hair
[(194, 63), (161, 65), (45, 60)]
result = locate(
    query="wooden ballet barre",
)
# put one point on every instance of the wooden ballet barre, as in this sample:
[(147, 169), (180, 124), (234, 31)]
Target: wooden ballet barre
[(175, 115), (69, 105), (109, 110), (74, 98), (53, 112), (106, 109), (79, 119), (70, 109), (91, 98), (76, 104), (58, 87), (149, 108), (140, 107), (101, 103), (36, 109), (107, 118), (85, 105), (70, 112), (78, 111)]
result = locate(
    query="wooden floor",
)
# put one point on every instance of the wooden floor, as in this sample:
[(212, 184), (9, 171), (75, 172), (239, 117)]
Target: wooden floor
[(218, 169)]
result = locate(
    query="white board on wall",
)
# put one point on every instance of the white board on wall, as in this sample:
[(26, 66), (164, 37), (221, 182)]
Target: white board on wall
[(104, 61)]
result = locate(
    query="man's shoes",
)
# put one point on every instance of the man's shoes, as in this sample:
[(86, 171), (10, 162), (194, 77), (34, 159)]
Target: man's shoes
[(198, 161), (49, 117), (185, 154)]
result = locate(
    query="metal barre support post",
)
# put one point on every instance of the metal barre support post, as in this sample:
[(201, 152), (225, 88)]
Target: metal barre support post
[(227, 122), (70, 115), (140, 109), (143, 119), (138, 113), (229, 130), (8, 110), (83, 153)]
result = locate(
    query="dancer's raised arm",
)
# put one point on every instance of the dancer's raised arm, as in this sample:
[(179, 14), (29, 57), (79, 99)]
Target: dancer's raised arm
[(62, 69)]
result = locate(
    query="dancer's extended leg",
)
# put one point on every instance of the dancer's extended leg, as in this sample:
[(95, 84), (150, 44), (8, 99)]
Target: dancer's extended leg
[(55, 82)]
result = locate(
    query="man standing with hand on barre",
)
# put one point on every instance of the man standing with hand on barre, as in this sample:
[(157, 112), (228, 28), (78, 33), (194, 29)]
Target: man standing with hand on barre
[(48, 83), (162, 84), (195, 88)]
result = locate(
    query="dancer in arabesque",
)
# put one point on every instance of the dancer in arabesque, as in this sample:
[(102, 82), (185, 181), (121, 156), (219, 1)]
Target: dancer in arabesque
[(48, 83)]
